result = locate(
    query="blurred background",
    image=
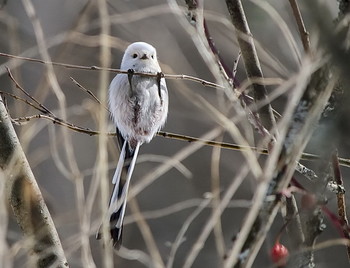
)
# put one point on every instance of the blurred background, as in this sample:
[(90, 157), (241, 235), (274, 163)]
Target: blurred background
[(167, 194)]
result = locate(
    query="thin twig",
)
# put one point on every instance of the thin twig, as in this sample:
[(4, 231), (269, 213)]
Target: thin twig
[(327, 244), (293, 227), (224, 69), (235, 63), (181, 235), (341, 199), (45, 110), (228, 74), (180, 207), (250, 58), (23, 100), (145, 230), (215, 216), (215, 189), (225, 145), (92, 68), (86, 90), (58, 121), (304, 35)]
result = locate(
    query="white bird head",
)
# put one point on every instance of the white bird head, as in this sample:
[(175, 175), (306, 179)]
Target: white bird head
[(141, 57)]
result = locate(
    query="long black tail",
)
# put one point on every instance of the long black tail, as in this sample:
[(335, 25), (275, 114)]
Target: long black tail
[(121, 181), (117, 217)]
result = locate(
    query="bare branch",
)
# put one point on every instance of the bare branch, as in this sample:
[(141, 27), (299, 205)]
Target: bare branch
[(235, 63), (225, 145), (26, 200), (250, 59), (87, 91), (23, 100), (43, 108), (300, 168), (341, 199), (304, 35)]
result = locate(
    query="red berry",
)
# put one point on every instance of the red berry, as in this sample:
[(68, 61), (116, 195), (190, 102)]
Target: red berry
[(279, 254)]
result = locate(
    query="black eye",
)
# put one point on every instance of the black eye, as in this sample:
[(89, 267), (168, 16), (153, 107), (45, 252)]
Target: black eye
[(152, 56), (134, 55)]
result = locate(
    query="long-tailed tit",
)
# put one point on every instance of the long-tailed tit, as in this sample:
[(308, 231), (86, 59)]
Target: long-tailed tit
[(139, 108)]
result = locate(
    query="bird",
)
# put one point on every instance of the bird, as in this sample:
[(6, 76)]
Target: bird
[(139, 107)]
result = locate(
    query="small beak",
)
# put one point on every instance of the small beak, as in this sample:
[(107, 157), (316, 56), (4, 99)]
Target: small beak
[(144, 57)]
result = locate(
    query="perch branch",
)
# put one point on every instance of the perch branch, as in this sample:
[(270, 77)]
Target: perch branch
[(225, 145), (48, 115), (91, 68)]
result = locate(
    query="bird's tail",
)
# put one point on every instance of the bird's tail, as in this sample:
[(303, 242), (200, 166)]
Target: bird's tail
[(121, 181)]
